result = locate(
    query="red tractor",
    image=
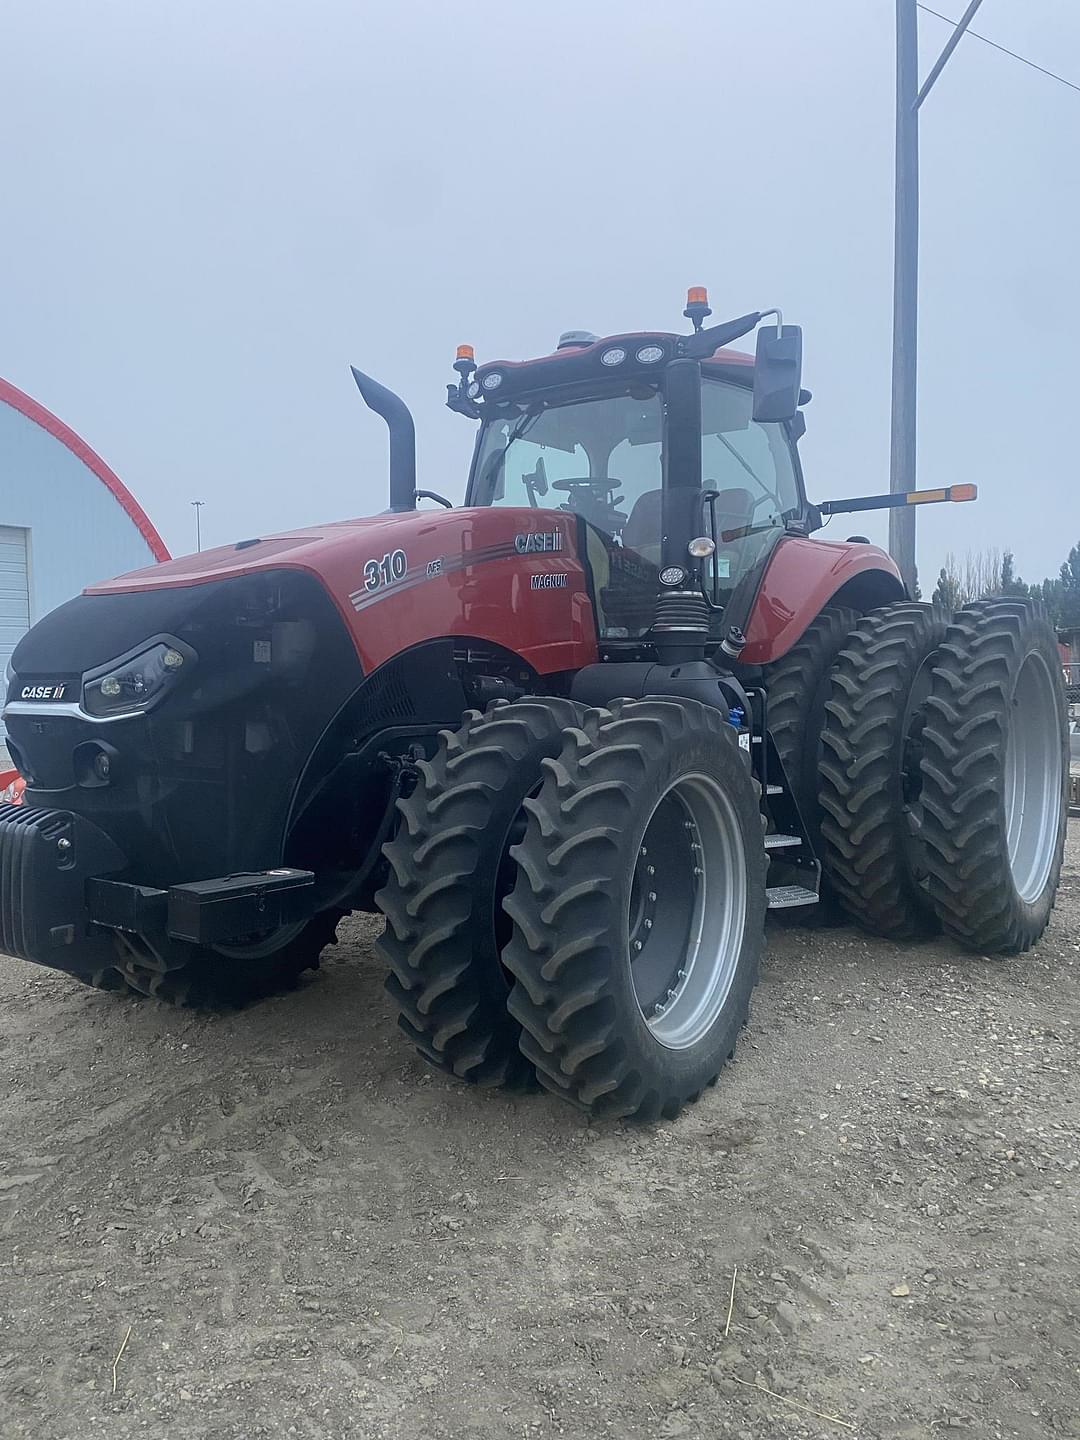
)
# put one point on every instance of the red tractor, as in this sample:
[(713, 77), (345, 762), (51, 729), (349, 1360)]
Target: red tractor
[(573, 739)]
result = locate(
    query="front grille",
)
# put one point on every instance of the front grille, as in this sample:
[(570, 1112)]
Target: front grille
[(384, 698)]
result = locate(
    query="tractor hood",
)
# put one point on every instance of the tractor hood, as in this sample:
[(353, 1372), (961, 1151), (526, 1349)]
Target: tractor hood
[(307, 549), (401, 579)]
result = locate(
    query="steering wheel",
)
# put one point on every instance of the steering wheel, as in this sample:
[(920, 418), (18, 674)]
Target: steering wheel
[(586, 482), (601, 498)]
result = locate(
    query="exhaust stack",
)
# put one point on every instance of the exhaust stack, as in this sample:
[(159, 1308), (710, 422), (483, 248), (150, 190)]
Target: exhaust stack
[(399, 422)]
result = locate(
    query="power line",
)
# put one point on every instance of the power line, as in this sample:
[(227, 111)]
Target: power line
[(995, 46)]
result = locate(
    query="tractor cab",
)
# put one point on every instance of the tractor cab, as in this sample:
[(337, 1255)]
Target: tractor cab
[(677, 454)]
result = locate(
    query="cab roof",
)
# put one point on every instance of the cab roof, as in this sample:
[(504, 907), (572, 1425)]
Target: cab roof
[(574, 363)]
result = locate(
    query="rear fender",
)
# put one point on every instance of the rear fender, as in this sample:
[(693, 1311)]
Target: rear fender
[(802, 578)]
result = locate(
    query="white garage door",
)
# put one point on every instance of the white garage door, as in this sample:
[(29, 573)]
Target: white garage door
[(14, 596)]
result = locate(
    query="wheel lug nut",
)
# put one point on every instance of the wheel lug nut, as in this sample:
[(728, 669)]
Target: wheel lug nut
[(652, 896), (650, 869), (637, 944), (648, 924)]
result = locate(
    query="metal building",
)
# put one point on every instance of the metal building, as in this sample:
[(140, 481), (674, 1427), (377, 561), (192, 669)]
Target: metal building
[(66, 519)]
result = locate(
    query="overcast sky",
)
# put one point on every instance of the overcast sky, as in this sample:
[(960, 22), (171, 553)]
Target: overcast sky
[(212, 207)]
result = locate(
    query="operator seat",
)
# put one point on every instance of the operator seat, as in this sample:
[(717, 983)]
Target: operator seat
[(643, 530)]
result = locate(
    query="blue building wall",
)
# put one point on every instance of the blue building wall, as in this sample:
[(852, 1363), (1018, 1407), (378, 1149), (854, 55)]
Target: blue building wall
[(79, 532)]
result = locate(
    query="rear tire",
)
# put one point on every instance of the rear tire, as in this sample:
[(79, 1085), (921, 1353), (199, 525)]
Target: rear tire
[(870, 780), (798, 686), (995, 775), (631, 1000), (449, 871)]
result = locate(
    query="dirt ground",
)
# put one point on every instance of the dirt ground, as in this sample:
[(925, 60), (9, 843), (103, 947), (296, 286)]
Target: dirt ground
[(301, 1230)]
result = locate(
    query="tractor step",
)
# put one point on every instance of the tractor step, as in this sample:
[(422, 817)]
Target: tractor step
[(787, 897), (781, 842)]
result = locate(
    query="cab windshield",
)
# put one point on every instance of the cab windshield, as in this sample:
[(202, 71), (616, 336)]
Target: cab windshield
[(601, 457)]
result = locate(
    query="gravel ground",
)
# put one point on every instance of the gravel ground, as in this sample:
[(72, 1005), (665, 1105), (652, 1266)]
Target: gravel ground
[(300, 1230)]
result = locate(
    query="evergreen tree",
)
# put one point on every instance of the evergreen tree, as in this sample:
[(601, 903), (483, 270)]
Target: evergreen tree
[(1011, 583), (946, 592), (1051, 594), (1070, 590)]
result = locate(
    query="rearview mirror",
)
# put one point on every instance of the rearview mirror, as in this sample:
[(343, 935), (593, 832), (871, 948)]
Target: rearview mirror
[(777, 373)]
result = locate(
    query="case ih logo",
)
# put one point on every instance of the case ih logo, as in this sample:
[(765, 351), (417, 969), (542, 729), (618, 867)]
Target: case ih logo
[(42, 692), (545, 540)]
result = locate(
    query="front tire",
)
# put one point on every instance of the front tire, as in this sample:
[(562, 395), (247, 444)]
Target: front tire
[(449, 870), (632, 983), (995, 774)]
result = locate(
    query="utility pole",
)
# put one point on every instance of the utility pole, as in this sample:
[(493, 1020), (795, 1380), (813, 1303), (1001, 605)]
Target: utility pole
[(909, 98), (905, 288), (197, 506)]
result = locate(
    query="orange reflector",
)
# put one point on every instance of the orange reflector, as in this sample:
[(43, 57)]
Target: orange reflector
[(932, 497), (465, 352), (697, 295)]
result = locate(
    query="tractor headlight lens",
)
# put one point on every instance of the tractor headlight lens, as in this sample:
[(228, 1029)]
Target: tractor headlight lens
[(492, 381), (701, 547), (615, 356), (134, 683), (650, 354), (473, 390)]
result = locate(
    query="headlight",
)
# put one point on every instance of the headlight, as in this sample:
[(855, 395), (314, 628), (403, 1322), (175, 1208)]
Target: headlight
[(134, 683), (650, 354), (492, 381), (615, 356)]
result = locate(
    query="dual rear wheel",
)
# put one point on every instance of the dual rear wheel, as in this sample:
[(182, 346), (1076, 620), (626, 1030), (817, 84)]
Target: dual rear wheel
[(943, 773)]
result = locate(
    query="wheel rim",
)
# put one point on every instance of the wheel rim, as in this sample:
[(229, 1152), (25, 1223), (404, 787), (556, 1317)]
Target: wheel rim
[(687, 911), (1032, 779)]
